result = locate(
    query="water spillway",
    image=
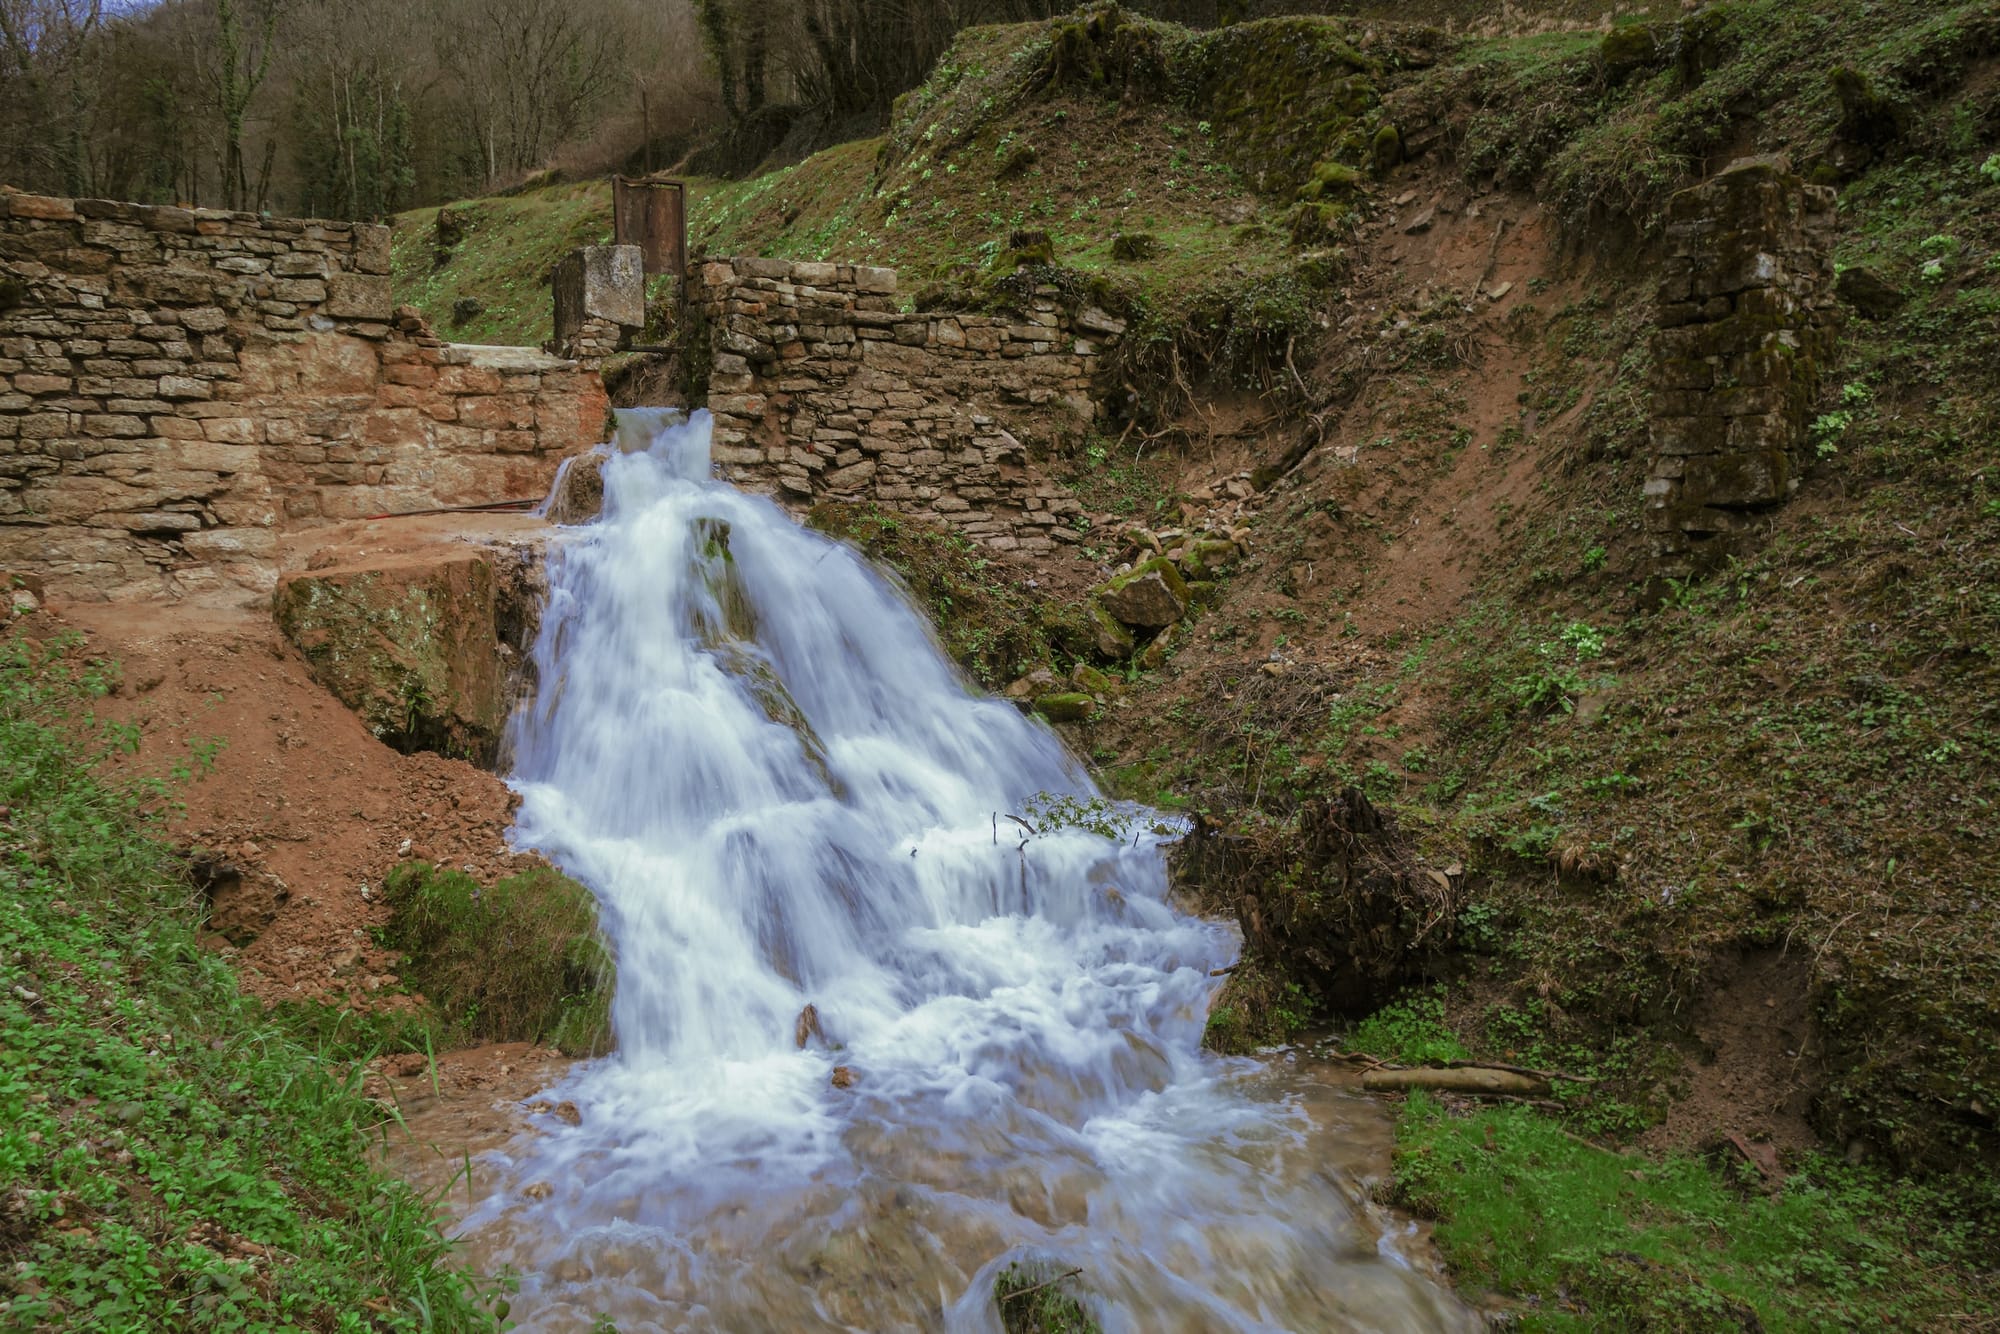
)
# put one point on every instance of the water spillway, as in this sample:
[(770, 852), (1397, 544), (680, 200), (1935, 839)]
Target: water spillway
[(747, 743)]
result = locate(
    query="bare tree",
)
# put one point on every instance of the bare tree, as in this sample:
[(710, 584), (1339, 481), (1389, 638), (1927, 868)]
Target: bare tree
[(45, 94)]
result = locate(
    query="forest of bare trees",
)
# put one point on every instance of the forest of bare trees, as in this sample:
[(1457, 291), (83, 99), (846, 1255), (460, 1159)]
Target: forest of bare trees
[(358, 108), (350, 108)]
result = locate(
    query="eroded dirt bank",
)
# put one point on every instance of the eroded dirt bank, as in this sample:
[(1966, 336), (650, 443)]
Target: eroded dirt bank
[(292, 809)]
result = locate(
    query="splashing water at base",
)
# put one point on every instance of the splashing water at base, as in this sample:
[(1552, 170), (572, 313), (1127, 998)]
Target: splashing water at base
[(747, 743)]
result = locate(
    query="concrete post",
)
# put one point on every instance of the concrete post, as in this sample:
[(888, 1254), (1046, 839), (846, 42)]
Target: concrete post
[(600, 300)]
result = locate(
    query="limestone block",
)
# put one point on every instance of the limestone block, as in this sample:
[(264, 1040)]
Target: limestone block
[(411, 648), (232, 430), (41, 207), (874, 280), (371, 248), (358, 296), (300, 264), (599, 282)]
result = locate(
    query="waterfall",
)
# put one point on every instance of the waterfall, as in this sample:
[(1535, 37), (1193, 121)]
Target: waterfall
[(747, 743)]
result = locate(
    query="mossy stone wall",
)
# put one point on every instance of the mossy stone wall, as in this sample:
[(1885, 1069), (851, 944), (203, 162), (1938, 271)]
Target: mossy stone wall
[(1747, 325)]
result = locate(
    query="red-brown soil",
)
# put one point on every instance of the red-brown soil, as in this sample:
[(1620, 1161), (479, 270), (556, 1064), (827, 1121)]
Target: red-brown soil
[(300, 801)]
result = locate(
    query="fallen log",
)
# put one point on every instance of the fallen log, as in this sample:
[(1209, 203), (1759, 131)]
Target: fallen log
[(1483, 1081)]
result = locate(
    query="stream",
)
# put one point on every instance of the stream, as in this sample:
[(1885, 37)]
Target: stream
[(747, 743)]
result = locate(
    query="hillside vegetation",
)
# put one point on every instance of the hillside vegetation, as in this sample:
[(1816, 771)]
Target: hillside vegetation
[(1724, 846), (172, 1157)]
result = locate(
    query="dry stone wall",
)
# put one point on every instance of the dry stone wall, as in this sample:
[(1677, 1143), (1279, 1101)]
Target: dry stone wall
[(178, 387), (823, 386), (1747, 322)]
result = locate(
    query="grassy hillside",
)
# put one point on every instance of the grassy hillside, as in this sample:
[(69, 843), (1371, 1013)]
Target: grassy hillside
[(506, 247), (171, 1157)]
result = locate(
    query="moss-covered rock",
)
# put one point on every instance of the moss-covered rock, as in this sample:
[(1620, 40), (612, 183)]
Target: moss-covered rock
[(1135, 247), (1066, 706), (1628, 49), (412, 646), (1868, 118), (1385, 149), (1111, 639), (1094, 681), (1330, 181), (1025, 250), (1206, 557), (1150, 596), (518, 961)]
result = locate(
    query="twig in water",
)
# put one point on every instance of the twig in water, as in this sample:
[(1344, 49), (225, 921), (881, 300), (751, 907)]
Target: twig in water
[(1022, 1292)]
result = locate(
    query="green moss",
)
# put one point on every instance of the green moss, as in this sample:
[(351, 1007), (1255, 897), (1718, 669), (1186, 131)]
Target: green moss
[(1629, 48), (1385, 150), (518, 961), (1065, 706), (1135, 247), (1094, 681), (990, 624), (1866, 115), (1330, 181)]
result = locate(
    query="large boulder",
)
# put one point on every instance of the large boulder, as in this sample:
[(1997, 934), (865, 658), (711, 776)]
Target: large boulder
[(1150, 596), (413, 645)]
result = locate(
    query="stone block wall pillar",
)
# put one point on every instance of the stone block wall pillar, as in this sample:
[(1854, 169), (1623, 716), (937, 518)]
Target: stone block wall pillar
[(600, 300), (1747, 324)]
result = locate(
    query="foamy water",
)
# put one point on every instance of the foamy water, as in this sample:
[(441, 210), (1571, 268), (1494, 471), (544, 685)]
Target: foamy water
[(746, 742)]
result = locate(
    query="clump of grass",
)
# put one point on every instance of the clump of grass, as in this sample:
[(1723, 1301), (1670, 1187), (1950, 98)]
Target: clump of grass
[(171, 1157), (1590, 1239), (1410, 1031), (521, 960), (1259, 1006), (1038, 1299)]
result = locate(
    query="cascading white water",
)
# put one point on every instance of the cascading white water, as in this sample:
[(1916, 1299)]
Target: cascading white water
[(747, 744)]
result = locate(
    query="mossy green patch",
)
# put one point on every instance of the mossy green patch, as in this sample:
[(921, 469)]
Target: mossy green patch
[(1580, 1238), (992, 625), (1065, 706), (520, 960)]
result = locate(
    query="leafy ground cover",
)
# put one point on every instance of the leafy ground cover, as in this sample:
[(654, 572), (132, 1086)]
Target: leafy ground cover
[(171, 1157), (1568, 1234)]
